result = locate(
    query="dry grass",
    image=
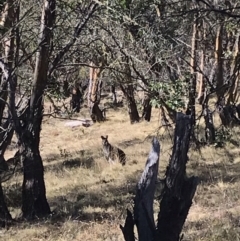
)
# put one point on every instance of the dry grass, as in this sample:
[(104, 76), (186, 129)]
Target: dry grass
[(89, 197)]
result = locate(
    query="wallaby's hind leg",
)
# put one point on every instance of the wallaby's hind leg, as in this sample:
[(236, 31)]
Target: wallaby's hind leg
[(111, 161), (123, 162), (122, 157)]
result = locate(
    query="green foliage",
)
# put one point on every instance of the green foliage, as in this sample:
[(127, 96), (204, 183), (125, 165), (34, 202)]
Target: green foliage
[(125, 4), (171, 93), (222, 136)]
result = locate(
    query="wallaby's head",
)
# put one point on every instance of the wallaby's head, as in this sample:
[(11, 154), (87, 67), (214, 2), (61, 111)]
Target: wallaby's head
[(104, 140)]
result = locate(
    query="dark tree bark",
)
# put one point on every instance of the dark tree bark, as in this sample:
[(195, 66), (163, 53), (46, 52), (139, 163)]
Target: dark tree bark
[(7, 48), (209, 125), (192, 103), (76, 100), (97, 115), (220, 61), (128, 92), (114, 96), (3, 97), (143, 202), (147, 108), (228, 115), (128, 229), (5, 137), (34, 201), (177, 193), (8, 17), (193, 78), (179, 189), (66, 90), (5, 216), (28, 129)]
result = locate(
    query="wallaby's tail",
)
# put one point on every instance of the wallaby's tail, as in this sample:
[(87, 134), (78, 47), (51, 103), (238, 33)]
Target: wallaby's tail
[(122, 157)]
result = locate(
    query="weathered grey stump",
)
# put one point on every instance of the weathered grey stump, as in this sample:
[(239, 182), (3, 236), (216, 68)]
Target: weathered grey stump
[(177, 193), (179, 189)]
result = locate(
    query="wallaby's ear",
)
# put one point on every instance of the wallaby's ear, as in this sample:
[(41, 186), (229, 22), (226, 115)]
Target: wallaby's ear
[(106, 136), (102, 137)]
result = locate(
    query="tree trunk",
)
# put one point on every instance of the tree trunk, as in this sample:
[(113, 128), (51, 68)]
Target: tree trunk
[(234, 75), (179, 189), (219, 60), (94, 94), (114, 96), (209, 125), (5, 137), (7, 21), (177, 194), (143, 201), (66, 91), (97, 115), (34, 202), (76, 100), (7, 49), (192, 80), (5, 216), (200, 76), (228, 115), (147, 108), (128, 92), (170, 112)]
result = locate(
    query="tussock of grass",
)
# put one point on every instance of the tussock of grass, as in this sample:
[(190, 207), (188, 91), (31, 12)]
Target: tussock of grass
[(89, 197)]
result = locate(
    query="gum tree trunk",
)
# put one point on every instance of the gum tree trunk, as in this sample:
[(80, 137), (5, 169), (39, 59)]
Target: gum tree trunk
[(94, 95), (192, 81), (200, 76), (233, 93), (147, 108), (128, 92), (219, 60), (7, 50), (34, 202)]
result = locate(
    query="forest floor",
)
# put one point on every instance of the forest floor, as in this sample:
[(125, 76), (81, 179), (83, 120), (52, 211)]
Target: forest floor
[(89, 196)]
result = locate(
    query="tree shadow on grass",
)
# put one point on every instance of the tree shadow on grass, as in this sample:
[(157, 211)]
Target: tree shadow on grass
[(216, 172), (13, 195), (82, 203), (64, 154), (13, 191), (110, 201), (78, 162), (84, 159), (131, 142)]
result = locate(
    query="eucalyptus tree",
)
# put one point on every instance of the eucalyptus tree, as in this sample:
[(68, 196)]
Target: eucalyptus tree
[(145, 46), (34, 74)]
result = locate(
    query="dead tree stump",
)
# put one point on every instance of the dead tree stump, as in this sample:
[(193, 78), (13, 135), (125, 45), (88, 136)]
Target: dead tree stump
[(179, 189), (176, 196), (143, 202)]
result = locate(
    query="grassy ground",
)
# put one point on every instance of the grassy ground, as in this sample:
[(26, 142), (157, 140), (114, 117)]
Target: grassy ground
[(89, 197)]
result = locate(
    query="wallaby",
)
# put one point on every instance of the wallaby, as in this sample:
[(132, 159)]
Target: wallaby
[(112, 153)]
